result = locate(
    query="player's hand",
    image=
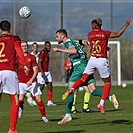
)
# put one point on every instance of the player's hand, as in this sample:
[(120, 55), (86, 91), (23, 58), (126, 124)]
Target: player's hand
[(56, 49), (129, 20), (85, 42), (42, 74), (26, 70), (29, 83)]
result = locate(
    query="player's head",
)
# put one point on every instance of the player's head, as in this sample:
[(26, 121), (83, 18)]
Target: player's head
[(24, 46), (5, 26), (47, 46), (96, 23), (34, 47), (60, 35)]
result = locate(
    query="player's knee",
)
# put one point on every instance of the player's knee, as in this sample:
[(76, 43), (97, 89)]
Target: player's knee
[(14, 99)]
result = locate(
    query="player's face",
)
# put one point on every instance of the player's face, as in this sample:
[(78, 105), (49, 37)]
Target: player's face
[(47, 47), (24, 47), (59, 37), (35, 47)]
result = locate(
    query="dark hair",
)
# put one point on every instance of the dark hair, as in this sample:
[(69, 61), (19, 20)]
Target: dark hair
[(5, 25), (47, 42), (63, 31), (98, 21), (34, 43), (22, 41)]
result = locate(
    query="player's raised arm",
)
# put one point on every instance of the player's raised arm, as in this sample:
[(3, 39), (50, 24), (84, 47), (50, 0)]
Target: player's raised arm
[(20, 54), (122, 30)]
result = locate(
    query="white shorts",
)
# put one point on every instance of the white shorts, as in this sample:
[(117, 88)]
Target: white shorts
[(34, 89), (8, 82), (46, 79), (100, 64)]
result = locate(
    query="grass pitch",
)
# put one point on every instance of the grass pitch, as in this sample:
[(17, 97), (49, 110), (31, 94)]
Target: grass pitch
[(115, 121)]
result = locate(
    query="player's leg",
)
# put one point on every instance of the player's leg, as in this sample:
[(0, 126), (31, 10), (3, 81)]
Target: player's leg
[(21, 105), (89, 69), (48, 81), (10, 83), (112, 98), (76, 74), (75, 86), (85, 75), (31, 98), (41, 108), (50, 94), (69, 103), (105, 93), (35, 90), (103, 70), (98, 92), (74, 110), (22, 92), (13, 112), (41, 81), (87, 94)]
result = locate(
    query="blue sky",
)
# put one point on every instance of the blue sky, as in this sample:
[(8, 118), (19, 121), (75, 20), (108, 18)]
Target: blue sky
[(77, 15)]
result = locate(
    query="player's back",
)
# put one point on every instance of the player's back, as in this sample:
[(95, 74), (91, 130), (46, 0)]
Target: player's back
[(7, 52), (98, 39), (80, 54)]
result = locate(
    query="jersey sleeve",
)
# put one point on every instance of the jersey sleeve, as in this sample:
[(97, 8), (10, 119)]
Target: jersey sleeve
[(42, 54), (107, 33), (68, 44), (19, 50)]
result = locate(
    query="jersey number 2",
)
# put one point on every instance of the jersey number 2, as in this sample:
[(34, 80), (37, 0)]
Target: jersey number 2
[(2, 45)]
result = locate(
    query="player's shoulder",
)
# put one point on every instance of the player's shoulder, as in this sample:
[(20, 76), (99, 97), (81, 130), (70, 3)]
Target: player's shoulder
[(16, 38), (42, 51), (69, 43), (30, 55)]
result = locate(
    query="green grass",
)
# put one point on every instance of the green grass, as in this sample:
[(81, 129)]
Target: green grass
[(115, 121)]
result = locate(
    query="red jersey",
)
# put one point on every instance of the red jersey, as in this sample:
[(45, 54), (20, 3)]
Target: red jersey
[(67, 65), (44, 55), (31, 62), (98, 39), (9, 45)]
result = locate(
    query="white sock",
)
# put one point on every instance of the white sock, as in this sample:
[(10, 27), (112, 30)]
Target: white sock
[(67, 115), (72, 89), (110, 99), (102, 102), (49, 101)]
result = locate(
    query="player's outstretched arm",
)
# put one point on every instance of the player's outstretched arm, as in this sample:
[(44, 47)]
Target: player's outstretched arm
[(70, 50), (122, 30)]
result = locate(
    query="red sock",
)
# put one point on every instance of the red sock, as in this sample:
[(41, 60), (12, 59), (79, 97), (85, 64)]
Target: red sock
[(49, 94), (13, 112), (106, 91), (81, 81), (21, 103), (41, 107), (32, 96)]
